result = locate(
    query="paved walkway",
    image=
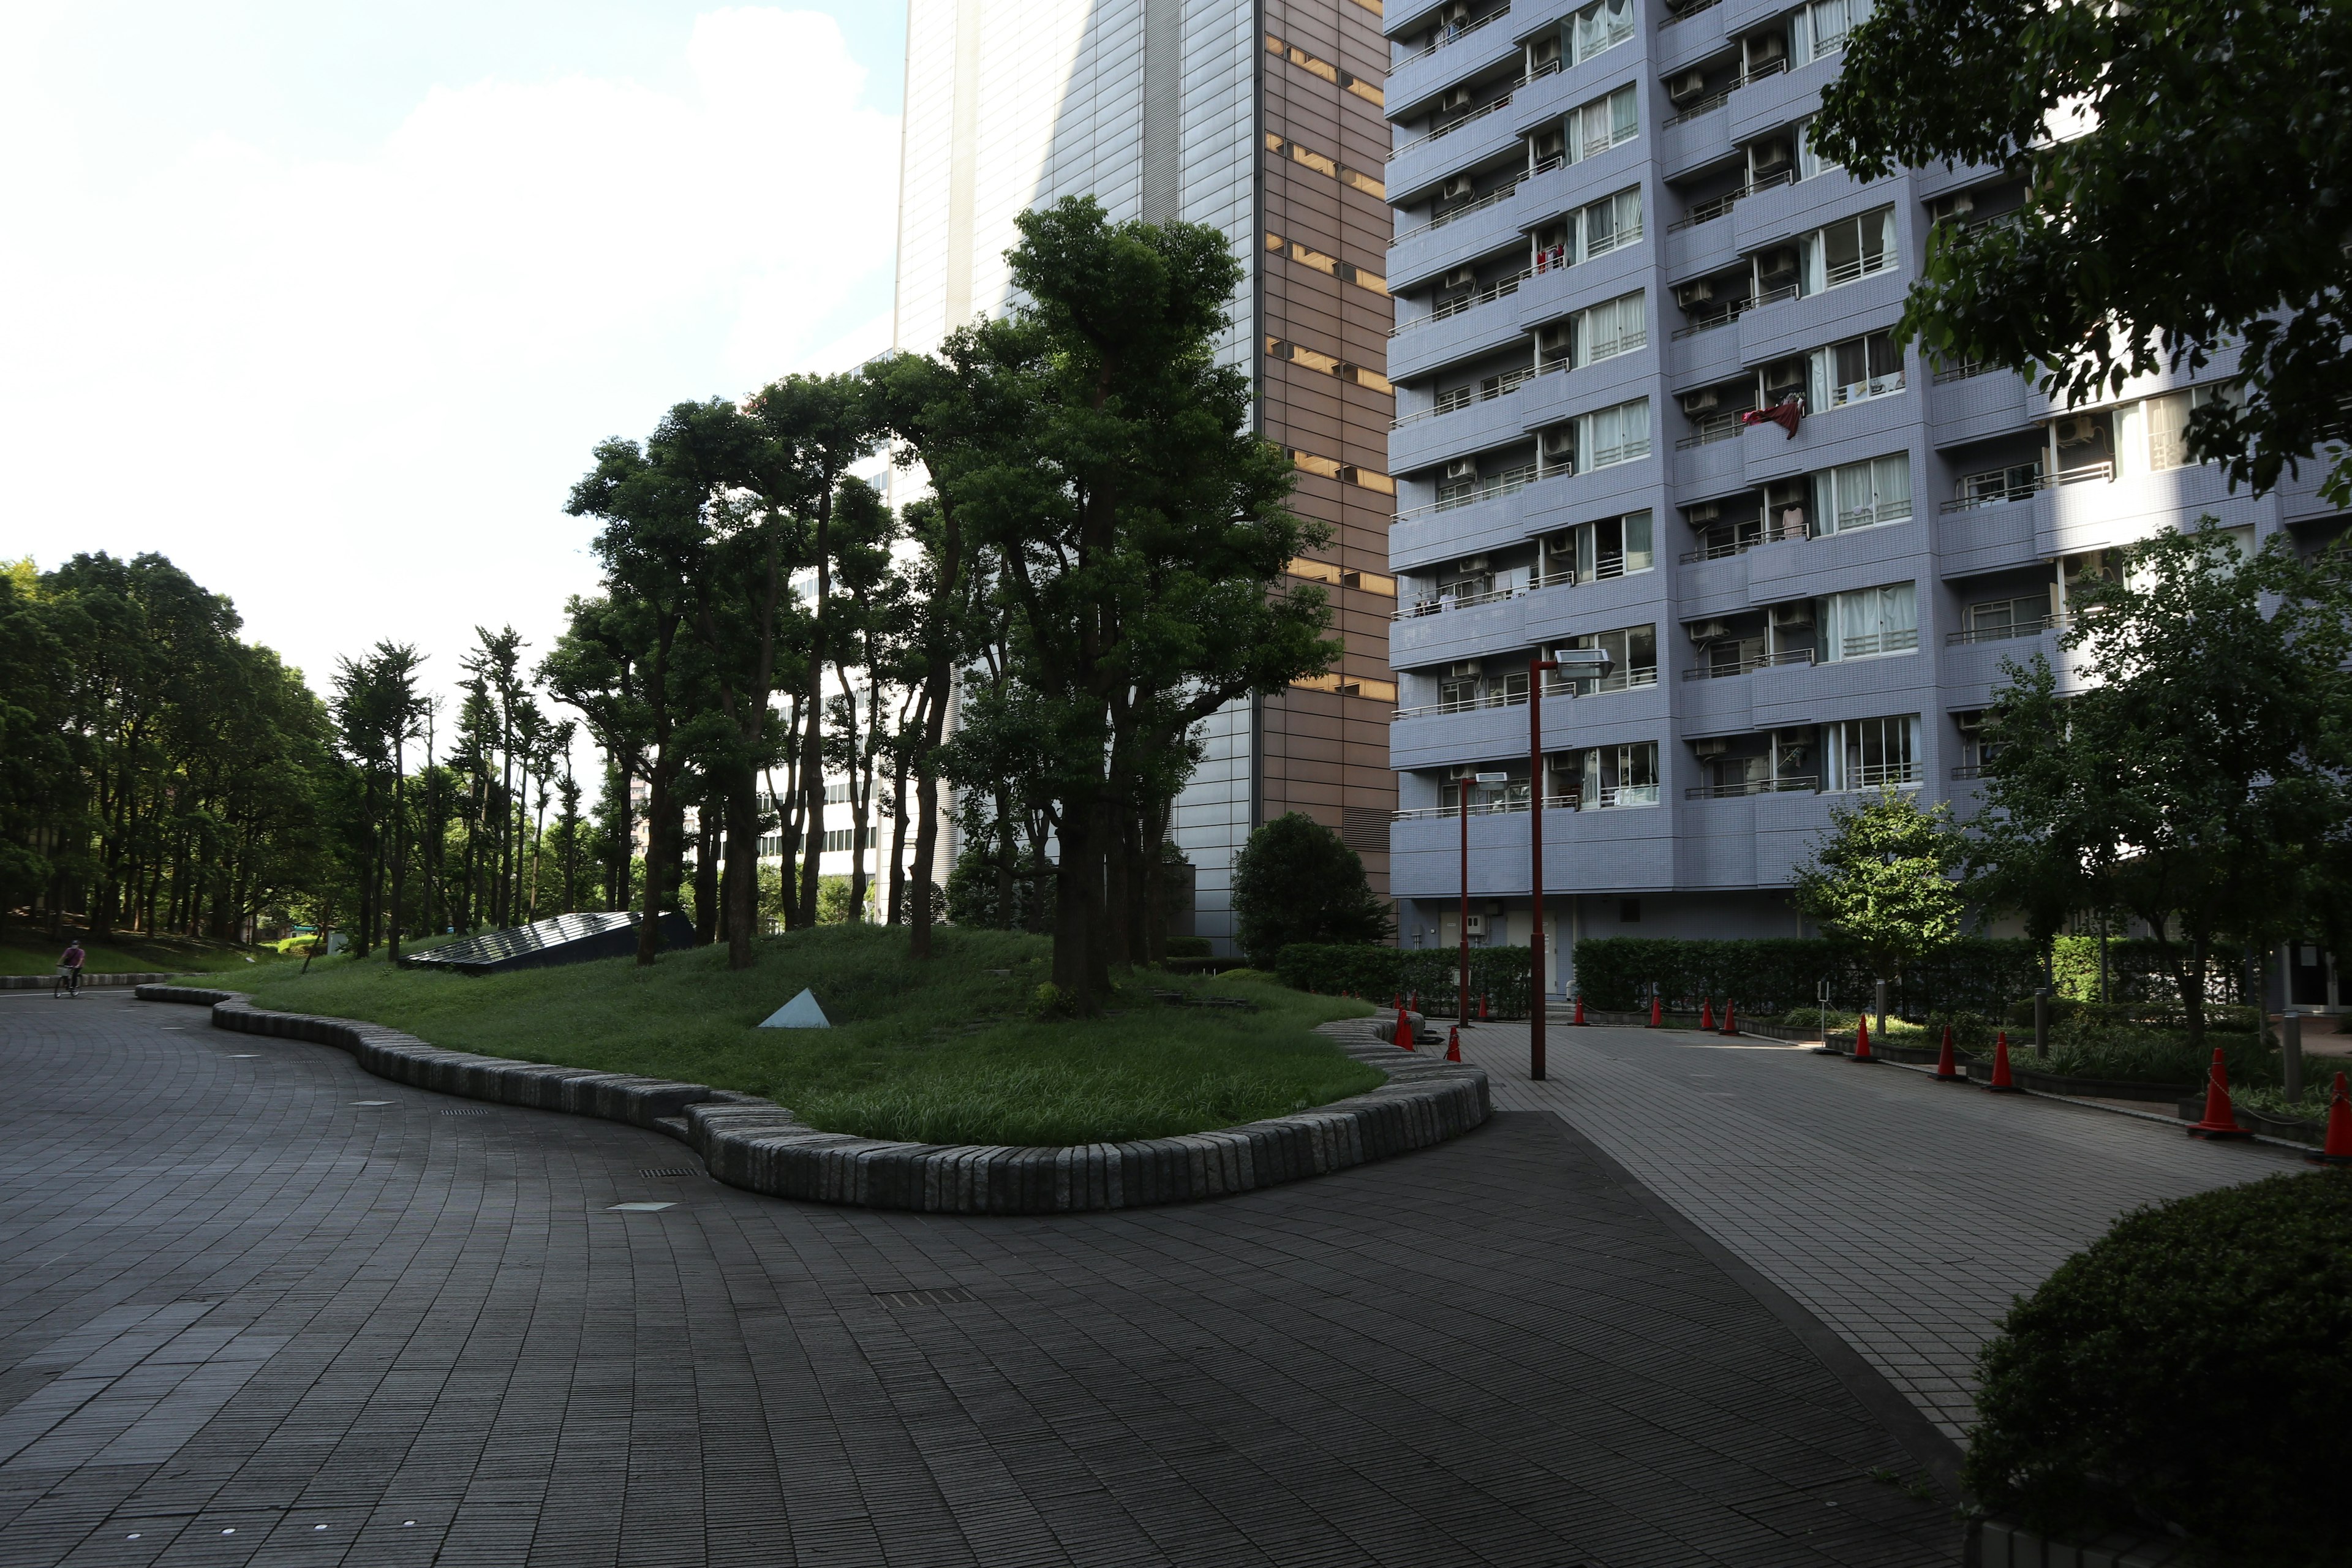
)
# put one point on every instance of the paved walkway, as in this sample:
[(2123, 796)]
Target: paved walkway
[(257, 1306), (1905, 1214)]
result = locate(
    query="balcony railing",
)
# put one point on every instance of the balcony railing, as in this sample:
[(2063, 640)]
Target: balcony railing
[(2033, 626), (1453, 35), (1968, 770), (1686, 13), (1712, 671), (1557, 685), (1465, 705), (1451, 126), (1708, 321), (1627, 794), (1463, 396), (1454, 307), (1438, 604), (1966, 370), (1864, 391), (1786, 785), (1878, 776), (1509, 482), (1708, 429), (1514, 803), (1709, 210), (1706, 105), (1870, 644), (1725, 549), (1492, 198), (2086, 472), (1992, 487), (1861, 266)]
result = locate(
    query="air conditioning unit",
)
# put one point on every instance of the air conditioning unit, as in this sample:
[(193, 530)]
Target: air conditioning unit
[(1465, 669), (1457, 13), (1555, 338), (1765, 48), (1689, 85), (1546, 145), (1708, 631), (1800, 614), (1701, 401), (1702, 514), (1544, 52), (1770, 153), (1457, 188), (1455, 100), (1462, 469), (1560, 443), (1459, 278), (1470, 565), (1698, 293), (1715, 746), (2078, 430), (1960, 206)]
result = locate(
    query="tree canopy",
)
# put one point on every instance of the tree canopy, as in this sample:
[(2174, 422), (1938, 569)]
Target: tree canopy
[(1883, 878), (1296, 882)]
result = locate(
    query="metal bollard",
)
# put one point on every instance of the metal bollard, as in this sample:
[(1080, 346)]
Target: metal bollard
[(2041, 1021), (2291, 1055), (1881, 1010)]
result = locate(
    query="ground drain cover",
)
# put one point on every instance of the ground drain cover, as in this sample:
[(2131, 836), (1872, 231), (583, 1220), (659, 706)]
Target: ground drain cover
[(946, 1296), (465, 1113), (669, 1171), (638, 1208)]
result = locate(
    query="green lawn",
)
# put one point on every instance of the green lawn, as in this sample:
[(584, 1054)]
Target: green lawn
[(940, 1053), (25, 950)]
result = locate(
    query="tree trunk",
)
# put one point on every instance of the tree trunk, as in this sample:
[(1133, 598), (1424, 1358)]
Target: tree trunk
[(706, 876), (399, 848), (898, 893), (812, 741), (742, 870)]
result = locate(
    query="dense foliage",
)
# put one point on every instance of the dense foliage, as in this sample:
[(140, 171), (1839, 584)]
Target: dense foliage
[(1295, 881), (2185, 165), (1773, 976), (1380, 974), (1881, 880), (2173, 1375)]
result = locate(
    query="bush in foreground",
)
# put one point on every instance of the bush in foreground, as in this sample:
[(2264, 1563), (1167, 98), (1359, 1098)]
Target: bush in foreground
[(1296, 882), (2185, 1370)]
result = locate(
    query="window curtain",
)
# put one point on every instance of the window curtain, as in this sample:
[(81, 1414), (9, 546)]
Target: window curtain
[(1638, 555)]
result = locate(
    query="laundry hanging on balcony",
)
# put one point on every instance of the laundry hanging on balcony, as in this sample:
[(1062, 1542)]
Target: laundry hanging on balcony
[(1785, 413)]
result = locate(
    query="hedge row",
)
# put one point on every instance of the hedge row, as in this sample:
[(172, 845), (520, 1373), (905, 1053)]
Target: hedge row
[(2137, 972), (1378, 974)]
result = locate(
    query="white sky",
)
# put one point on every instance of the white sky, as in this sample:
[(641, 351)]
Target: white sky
[(328, 301)]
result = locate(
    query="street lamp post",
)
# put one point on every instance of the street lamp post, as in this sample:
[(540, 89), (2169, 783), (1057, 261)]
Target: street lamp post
[(1461, 998), (1583, 661)]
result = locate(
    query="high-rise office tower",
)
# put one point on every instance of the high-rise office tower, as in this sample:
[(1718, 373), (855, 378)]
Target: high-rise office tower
[(1648, 403), (1264, 119)]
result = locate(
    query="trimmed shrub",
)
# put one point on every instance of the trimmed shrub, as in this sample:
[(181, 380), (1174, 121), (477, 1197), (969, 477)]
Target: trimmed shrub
[(2136, 972), (1187, 947), (1776, 975), (2084, 1048), (1296, 882), (1376, 973), (2182, 1372)]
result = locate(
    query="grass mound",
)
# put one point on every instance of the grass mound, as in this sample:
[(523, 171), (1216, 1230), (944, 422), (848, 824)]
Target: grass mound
[(26, 951), (939, 1053)]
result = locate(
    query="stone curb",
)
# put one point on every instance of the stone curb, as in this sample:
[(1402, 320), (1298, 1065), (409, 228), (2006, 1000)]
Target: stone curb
[(762, 1147), (89, 979)]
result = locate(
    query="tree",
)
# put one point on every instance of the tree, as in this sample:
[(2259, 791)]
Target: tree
[(2186, 166), (2196, 781), (1296, 882), (1882, 878), (1140, 539)]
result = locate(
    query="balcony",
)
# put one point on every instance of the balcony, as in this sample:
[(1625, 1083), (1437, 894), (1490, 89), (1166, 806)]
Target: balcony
[(1874, 644), (1446, 308), (1710, 428), (1514, 803), (1792, 785), (1511, 481), (1880, 775), (1495, 197), (1740, 545), (1752, 662), (1453, 35), (1708, 321), (1719, 206), (2033, 625), (1686, 13), (1502, 385)]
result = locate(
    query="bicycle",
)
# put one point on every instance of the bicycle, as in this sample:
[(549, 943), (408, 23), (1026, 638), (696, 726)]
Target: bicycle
[(68, 984)]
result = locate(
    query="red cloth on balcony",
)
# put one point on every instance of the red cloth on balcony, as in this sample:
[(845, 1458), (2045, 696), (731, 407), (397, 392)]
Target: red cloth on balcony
[(1785, 413)]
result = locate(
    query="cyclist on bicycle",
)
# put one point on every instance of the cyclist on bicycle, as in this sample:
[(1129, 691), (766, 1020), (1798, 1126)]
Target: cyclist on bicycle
[(69, 964)]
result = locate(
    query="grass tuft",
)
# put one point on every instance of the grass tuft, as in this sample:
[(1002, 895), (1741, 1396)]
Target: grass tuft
[(943, 1052)]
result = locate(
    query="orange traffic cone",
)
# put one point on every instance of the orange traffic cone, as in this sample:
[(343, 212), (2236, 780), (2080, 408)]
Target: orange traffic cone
[(1404, 1028), (1657, 1013), (1580, 1008), (1862, 1040), (2002, 1083), (1454, 1043), (1396, 998), (1948, 1066), (1416, 1001), (1730, 1017), (1482, 1006), (1706, 1014), (2337, 1149), (2220, 1119)]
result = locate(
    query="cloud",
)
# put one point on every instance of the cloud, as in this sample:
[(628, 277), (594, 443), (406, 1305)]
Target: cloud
[(353, 392)]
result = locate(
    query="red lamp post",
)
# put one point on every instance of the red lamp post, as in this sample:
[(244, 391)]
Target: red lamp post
[(1583, 661)]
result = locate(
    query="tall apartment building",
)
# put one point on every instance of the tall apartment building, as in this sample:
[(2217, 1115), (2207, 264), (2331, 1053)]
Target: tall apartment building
[(1612, 241), (1264, 118)]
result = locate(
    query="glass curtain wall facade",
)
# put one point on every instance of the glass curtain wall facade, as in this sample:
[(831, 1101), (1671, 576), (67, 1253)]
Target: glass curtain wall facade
[(1647, 400), (1265, 120)]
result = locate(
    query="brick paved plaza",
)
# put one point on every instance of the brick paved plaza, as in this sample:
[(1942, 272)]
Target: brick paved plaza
[(258, 1306)]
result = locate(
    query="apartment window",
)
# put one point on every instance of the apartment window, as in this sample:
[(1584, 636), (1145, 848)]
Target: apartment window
[(1613, 776), (1605, 330), (1822, 26), (2158, 430), (1810, 163), (837, 840), (1602, 27), (1863, 495), (1590, 231), (1487, 798), (1633, 659), (1611, 547), (1974, 753), (1871, 754), (772, 846), (1603, 124), (1618, 434), (1846, 250), (1856, 371), (1869, 622), (1993, 620)]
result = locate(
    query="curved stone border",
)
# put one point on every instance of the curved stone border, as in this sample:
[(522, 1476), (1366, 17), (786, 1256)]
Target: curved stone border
[(88, 978), (759, 1145)]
